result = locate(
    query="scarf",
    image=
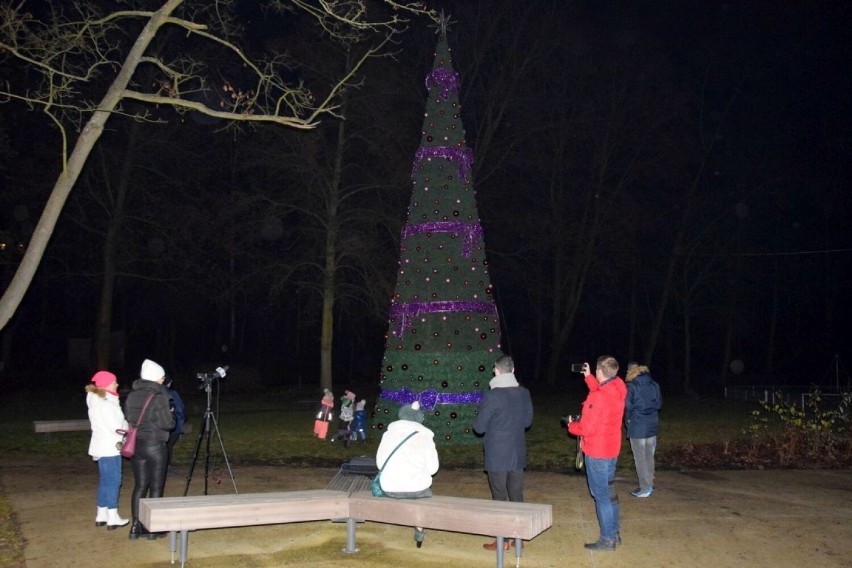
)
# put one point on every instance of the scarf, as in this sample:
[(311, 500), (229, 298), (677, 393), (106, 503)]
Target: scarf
[(503, 380)]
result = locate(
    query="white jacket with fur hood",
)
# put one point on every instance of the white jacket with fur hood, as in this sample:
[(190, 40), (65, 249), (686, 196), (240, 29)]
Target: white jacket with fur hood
[(106, 417)]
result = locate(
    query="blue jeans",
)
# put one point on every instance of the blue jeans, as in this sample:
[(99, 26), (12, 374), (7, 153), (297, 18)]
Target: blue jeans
[(643, 457), (600, 474), (110, 481)]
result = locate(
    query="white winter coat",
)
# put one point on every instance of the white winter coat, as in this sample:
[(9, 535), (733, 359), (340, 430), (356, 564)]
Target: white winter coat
[(106, 417), (411, 468)]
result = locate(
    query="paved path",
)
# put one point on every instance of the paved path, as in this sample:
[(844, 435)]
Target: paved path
[(695, 519)]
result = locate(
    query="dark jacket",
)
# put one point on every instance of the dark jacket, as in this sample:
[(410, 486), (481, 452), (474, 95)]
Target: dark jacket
[(178, 409), (642, 405), (158, 420), (504, 415)]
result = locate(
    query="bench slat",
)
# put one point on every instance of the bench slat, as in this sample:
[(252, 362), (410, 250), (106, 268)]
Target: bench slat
[(349, 482), (456, 514), (48, 426), (219, 511)]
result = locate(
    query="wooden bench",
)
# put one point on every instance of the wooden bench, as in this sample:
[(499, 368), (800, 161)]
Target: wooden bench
[(183, 514), (50, 426), (500, 519), (349, 482), (520, 521)]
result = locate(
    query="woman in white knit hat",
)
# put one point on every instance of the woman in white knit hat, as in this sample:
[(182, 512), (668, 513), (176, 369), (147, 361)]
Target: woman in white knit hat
[(151, 457)]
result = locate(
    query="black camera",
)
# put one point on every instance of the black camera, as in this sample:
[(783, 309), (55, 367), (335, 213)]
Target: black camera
[(577, 367), (569, 418), (207, 378)]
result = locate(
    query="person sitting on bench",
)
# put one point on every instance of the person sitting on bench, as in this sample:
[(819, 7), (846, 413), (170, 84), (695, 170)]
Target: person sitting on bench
[(408, 473)]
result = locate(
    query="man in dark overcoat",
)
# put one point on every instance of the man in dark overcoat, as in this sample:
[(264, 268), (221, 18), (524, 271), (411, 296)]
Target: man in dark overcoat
[(505, 413)]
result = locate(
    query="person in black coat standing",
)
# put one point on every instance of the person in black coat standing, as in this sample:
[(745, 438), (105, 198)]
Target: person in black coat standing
[(151, 457), (642, 415), (505, 412)]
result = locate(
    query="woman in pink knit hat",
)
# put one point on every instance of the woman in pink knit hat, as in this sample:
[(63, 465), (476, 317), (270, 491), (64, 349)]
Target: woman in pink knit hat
[(105, 417)]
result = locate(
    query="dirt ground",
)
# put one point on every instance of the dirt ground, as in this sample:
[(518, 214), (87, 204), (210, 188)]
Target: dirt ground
[(694, 519)]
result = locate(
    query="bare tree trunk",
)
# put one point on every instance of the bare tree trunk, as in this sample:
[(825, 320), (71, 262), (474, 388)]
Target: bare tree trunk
[(664, 295), (103, 324), (327, 333), (328, 287), (631, 337), (540, 320), (7, 337), (729, 334), (773, 326), (687, 352)]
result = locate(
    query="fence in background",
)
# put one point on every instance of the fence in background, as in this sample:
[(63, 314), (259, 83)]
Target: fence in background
[(772, 394)]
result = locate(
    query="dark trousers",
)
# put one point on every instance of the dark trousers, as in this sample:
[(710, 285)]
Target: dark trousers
[(507, 485), (149, 472), (173, 439)]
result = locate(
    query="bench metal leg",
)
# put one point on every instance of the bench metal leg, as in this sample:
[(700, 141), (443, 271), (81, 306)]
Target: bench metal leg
[(172, 544), (184, 544), (351, 548), (519, 546)]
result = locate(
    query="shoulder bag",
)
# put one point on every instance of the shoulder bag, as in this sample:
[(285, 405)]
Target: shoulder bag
[(127, 445), (376, 487)]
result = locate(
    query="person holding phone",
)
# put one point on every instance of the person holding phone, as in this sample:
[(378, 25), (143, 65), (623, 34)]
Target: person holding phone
[(599, 430)]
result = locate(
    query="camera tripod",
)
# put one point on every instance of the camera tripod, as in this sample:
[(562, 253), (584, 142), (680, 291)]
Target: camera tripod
[(208, 425)]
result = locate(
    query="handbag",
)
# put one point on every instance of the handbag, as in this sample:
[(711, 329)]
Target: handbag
[(376, 486), (127, 445)]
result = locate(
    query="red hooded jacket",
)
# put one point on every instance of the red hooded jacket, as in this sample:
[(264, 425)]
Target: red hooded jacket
[(599, 427)]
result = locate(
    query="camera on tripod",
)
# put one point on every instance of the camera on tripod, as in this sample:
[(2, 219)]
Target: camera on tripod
[(209, 426), (207, 378)]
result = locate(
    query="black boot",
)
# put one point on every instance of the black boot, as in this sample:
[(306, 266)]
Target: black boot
[(135, 529)]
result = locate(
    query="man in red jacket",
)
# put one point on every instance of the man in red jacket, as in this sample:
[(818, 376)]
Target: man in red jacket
[(599, 429)]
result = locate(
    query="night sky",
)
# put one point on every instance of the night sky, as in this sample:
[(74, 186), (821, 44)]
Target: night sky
[(661, 181)]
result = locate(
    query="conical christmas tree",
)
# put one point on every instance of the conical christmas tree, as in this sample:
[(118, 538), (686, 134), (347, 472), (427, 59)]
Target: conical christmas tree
[(444, 331)]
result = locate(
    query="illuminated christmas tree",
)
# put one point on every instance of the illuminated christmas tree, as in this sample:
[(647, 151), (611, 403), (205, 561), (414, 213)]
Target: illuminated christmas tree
[(444, 331)]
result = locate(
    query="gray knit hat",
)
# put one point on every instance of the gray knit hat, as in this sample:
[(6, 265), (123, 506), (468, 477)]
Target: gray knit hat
[(412, 412)]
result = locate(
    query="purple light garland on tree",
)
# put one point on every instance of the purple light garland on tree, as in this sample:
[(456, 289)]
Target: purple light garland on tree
[(471, 232), (462, 156), (406, 312), (429, 399), (447, 79)]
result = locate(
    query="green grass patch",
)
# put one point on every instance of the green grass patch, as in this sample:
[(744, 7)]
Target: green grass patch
[(276, 428), (11, 542)]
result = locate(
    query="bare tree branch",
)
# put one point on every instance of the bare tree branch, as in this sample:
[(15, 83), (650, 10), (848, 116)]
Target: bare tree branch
[(71, 59)]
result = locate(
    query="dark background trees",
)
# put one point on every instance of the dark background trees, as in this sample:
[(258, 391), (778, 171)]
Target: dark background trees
[(664, 182)]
